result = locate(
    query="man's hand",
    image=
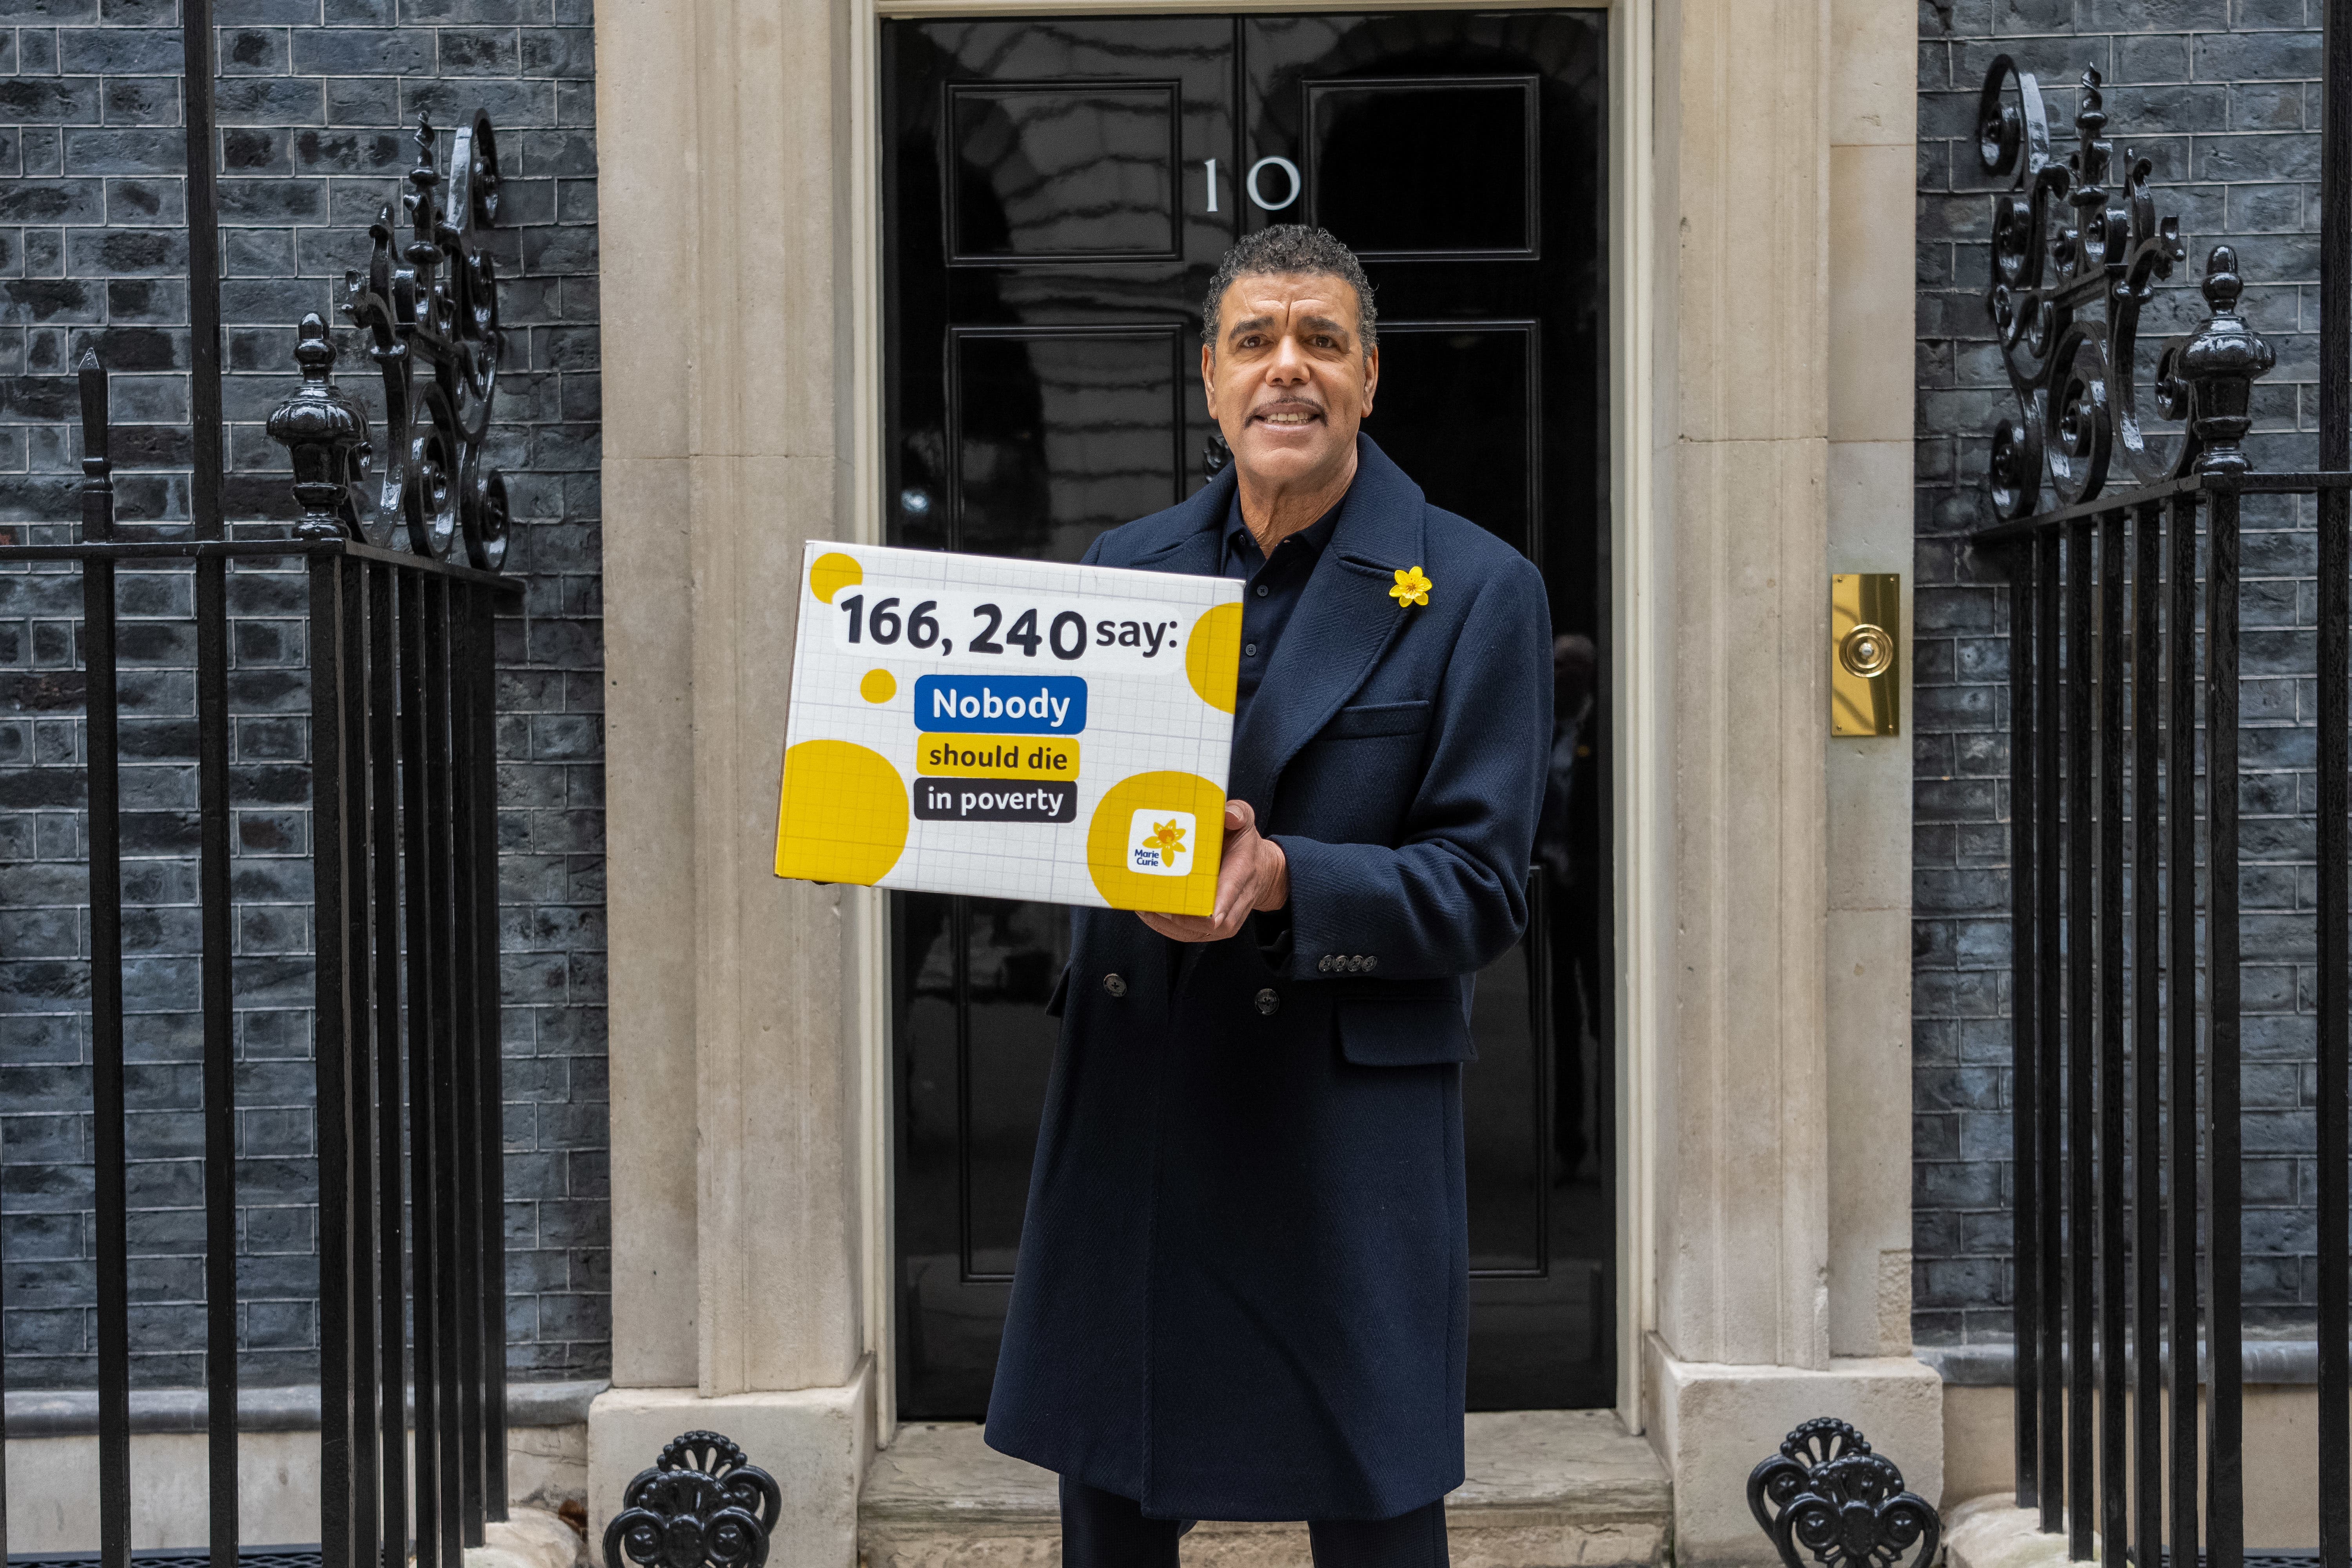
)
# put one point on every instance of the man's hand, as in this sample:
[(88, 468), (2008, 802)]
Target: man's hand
[(1252, 874)]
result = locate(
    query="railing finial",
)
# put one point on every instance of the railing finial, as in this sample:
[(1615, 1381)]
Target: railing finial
[(2222, 284), (2221, 362), (328, 434), (97, 456)]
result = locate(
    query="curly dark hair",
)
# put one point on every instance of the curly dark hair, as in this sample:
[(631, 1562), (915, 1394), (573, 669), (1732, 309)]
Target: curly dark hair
[(1291, 247)]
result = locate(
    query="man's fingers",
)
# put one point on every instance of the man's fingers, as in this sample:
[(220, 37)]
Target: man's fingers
[(1183, 928), (1193, 928), (1238, 889)]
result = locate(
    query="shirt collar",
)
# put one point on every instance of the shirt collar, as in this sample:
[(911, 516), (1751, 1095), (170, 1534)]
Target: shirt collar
[(1241, 543)]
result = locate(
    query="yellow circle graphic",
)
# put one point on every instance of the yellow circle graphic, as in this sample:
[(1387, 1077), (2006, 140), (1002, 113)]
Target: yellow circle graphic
[(879, 686), (1195, 892), (832, 574), (842, 816), (1212, 655)]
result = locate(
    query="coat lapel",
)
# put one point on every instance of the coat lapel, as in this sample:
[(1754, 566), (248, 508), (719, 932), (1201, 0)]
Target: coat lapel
[(1196, 550), (1344, 622)]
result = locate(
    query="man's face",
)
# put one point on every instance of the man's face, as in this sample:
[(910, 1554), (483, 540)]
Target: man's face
[(1288, 380)]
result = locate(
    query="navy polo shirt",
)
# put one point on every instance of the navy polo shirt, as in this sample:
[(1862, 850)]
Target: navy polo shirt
[(1274, 588)]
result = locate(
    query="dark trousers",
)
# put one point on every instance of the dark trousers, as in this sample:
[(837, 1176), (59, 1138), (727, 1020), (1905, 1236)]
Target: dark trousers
[(1103, 1530)]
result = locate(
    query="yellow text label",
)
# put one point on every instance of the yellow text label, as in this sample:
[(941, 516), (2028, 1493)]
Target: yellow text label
[(996, 756)]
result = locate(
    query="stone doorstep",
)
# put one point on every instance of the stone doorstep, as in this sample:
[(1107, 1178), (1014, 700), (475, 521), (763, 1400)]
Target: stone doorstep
[(1547, 1488)]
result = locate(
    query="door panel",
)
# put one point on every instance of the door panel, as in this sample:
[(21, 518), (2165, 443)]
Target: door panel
[(1061, 171), (1425, 168), (1489, 469), (1057, 195), (1059, 432)]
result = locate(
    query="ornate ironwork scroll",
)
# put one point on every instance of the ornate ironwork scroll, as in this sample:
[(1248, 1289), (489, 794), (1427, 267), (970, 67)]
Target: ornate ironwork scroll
[(429, 304), (702, 1505), (2077, 252), (1827, 1494)]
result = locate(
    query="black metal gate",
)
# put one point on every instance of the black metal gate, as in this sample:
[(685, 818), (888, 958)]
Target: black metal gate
[(402, 858), (2125, 673)]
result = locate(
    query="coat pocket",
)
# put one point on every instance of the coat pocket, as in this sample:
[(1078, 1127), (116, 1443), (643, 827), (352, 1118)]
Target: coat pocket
[(1404, 1034), (1369, 719)]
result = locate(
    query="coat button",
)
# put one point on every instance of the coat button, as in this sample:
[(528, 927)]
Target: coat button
[(1370, 962), (1114, 985), (1269, 1001), (1324, 964)]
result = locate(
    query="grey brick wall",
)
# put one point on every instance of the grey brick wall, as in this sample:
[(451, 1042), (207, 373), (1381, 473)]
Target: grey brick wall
[(2221, 95), (316, 101), (315, 96)]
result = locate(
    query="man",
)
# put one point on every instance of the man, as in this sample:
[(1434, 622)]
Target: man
[(1243, 1285)]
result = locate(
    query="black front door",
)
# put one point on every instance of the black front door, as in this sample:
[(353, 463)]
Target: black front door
[(1057, 195)]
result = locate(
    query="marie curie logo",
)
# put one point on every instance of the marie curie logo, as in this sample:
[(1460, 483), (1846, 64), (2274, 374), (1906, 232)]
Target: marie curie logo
[(1160, 843), (996, 705)]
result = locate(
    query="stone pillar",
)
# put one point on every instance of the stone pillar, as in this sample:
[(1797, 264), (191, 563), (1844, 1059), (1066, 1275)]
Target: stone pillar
[(1782, 1083), (724, 141), (1742, 1189), (1873, 132)]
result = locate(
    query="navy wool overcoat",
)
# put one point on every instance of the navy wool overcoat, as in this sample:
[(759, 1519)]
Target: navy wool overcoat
[(1242, 1286)]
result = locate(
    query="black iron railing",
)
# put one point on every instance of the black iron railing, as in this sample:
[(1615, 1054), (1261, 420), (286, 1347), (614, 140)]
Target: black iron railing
[(403, 864), (405, 1041), (2124, 675)]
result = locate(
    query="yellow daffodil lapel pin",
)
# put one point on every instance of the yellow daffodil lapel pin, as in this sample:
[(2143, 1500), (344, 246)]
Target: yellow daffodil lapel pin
[(1167, 838), (1412, 588)]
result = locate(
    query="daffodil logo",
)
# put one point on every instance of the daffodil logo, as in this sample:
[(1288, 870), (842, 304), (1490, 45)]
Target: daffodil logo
[(1412, 588), (1158, 842)]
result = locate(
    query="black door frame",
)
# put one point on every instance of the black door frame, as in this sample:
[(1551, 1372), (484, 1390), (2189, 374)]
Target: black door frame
[(1634, 685)]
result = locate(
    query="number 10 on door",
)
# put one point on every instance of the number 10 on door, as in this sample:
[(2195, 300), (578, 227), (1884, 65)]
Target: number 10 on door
[(1283, 166)]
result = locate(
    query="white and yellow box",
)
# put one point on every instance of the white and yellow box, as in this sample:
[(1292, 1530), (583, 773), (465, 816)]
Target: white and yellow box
[(1011, 729)]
